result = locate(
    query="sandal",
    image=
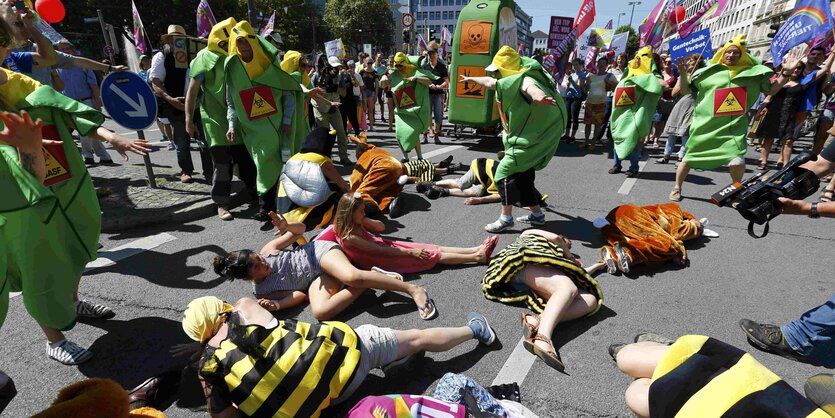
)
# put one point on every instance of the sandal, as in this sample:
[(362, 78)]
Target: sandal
[(397, 276), (827, 195), (551, 357), (489, 246), (762, 166), (428, 307), (675, 195), (528, 330), (623, 258), (609, 260)]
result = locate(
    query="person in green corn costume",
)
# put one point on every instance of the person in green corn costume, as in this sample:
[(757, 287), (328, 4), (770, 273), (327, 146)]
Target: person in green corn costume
[(725, 90), (265, 109), (534, 119), (633, 106), (47, 250), (410, 90), (208, 87)]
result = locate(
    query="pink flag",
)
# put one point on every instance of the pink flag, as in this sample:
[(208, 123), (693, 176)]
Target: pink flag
[(138, 30), (205, 19), (270, 26), (591, 60), (422, 43), (585, 17), (608, 25), (711, 9), (653, 27)]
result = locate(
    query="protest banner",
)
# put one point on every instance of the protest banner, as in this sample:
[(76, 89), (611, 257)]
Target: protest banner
[(697, 43)]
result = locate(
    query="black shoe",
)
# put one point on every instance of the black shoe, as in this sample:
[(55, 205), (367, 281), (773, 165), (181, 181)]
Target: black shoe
[(445, 162), (614, 349), (396, 207), (820, 389), (107, 162), (569, 140), (89, 161), (456, 167), (424, 186), (434, 193), (404, 160), (614, 170), (437, 140), (631, 173), (261, 216), (769, 338)]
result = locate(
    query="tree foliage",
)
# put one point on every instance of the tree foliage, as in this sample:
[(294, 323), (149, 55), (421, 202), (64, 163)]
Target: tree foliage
[(632, 39), (361, 21)]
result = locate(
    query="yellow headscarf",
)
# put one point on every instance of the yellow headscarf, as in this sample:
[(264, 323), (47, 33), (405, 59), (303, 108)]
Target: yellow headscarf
[(745, 62), (408, 68), (202, 318), (290, 64), (642, 63), (508, 61), (220, 33), (260, 61)]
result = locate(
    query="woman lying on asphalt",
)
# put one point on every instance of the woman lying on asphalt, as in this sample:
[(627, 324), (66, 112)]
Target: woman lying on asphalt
[(350, 229), (318, 271), (539, 269)]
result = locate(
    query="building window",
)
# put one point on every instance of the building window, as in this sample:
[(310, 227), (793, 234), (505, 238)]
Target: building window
[(457, 12), (446, 2)]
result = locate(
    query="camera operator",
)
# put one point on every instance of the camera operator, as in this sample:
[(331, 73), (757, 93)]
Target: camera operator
[(810, 339)]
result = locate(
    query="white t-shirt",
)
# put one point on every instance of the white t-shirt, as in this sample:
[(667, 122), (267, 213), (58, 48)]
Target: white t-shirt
[(597, 88), (359, 87)]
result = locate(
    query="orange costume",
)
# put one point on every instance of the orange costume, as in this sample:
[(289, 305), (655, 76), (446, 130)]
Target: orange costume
[(375, 174), (649, 234)]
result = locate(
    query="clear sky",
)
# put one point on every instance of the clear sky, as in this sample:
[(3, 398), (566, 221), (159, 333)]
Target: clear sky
[(542, 10)]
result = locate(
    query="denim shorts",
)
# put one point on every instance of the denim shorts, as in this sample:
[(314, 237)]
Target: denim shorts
[(378, 347), (369, 94)]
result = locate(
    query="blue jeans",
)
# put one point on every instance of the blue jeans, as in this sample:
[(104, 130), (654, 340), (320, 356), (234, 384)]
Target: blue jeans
[(436, 104), (572, 105), (634, 158), (812, 334), (671, 142)]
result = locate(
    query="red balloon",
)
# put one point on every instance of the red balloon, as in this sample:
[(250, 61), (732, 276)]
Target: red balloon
[(50, 10), (676, 17)]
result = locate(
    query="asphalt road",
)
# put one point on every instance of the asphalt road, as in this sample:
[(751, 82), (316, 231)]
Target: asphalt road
[(734, 276)]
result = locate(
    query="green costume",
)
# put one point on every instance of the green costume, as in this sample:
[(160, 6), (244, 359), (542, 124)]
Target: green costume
[(411, 105), (717, 133), (51, 233), (533, 131), (634, 103), (209, 64), (257, 101)]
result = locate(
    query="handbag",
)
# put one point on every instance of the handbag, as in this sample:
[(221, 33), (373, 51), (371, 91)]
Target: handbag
[(752, 133)]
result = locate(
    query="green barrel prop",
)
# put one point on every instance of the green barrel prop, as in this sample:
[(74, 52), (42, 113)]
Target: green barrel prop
[(483, 27)]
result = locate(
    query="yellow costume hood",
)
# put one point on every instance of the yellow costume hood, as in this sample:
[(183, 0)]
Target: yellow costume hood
[(642, 64), (290, 64), (408, 68), (745, 62), (260, 60), (507, 62), (219, 36)]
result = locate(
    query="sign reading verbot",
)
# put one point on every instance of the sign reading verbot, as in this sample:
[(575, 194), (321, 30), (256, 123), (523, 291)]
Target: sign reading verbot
[(560, 28), (697, 43)]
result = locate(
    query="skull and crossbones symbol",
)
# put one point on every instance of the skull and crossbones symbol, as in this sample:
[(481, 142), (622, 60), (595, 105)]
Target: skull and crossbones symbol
[(475, 35)]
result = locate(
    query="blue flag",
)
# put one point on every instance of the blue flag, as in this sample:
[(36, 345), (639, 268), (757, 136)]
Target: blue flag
[(810, 19)]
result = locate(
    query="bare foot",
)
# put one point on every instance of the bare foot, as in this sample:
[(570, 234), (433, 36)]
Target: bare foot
[(420, 296), (481, 255)]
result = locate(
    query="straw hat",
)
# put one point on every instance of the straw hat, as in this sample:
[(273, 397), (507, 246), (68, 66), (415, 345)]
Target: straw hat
[(173, 30)]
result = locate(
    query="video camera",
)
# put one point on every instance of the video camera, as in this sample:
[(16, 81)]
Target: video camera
[(757, 200)]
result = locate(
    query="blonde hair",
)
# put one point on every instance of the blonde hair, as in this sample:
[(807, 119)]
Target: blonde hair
[(343, 221)]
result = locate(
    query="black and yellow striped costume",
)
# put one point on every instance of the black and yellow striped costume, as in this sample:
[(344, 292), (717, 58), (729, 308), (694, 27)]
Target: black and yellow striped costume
[(532, 249), (293, 370), (484, 170), (700, 377), (422, 169)]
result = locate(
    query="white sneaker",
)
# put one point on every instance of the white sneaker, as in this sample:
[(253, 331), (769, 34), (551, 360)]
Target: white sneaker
[(68, 353), (498, 226), (86, 309)]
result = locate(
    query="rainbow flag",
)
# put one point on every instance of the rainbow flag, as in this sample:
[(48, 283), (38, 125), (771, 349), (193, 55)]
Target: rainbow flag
[(654, 26), (138, 30), (205, 19), (810, 19)]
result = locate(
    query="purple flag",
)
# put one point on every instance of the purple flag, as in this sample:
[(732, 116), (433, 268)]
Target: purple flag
[(270, 26), (608, 25), (138, 30), (446, 39), (710, 10), (205, 19), (422, 43), (591, 60)]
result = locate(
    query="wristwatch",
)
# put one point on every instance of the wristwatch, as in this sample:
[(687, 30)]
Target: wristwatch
[(814, 212)]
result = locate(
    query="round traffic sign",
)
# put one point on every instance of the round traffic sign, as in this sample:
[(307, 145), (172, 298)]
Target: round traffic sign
[(408, 20), (109, 51), (129, 100)]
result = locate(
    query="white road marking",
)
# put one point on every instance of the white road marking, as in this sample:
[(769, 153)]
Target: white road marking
[(439, 151), (516, 367), (110, 257), (627, 185)]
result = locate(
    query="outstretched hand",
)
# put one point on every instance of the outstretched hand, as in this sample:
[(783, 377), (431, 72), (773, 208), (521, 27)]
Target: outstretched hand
[(545, 101), (21, 132), (279, 223), (123, 145)]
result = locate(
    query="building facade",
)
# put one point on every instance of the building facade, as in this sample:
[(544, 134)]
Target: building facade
[(540, 40), (523, 29), (738, 18)]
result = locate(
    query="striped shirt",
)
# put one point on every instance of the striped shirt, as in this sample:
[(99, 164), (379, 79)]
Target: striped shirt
[(700, 377), (293, 370), (292, 270)]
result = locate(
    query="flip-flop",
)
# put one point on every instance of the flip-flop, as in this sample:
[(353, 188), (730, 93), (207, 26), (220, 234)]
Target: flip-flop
[(397, 276), (611, 264), (489, 246), (428, 306)]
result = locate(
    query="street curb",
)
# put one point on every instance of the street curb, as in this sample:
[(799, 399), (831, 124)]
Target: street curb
[(162, 216)]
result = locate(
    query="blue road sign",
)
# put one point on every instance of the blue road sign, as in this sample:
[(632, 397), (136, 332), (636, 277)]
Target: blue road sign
[(129, 100)]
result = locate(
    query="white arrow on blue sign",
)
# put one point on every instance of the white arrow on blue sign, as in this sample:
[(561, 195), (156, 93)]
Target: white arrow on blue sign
[(129, 100)]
